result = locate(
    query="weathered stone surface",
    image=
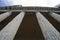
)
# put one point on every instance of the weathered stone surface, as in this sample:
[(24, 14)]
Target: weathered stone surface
[(4, 15), (49, 32), (55, 16), (10, 29)]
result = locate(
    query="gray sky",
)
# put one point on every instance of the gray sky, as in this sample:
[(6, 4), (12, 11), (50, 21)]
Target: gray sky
[(50, 3), (47, 3)]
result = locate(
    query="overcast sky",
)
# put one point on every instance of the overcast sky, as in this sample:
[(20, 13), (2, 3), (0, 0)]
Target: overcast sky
[(46, 3)]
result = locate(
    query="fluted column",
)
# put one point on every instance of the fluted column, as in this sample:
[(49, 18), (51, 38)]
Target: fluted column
[(4, 15), (11, 28), (48, 30), (55, 16)]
